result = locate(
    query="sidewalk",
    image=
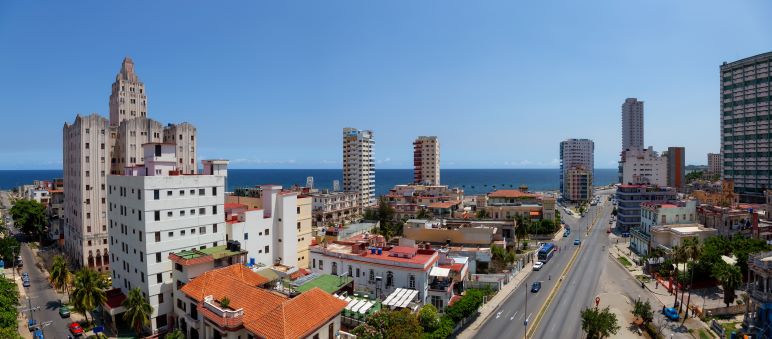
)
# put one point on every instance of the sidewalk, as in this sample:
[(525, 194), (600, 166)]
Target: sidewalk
[(492, 305)]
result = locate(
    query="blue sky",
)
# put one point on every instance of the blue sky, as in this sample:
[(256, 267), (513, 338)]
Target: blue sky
[(272, 84)]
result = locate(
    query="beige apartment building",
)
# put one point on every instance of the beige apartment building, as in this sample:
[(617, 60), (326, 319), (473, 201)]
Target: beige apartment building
[(426, 161), (359, 164), (94, 147)]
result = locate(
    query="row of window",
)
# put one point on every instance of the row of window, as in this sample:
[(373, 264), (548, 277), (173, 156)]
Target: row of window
[(356, 273), (170, 234), (182, 213), (742, 102), (760, 136), (181, 193), (756, 81)]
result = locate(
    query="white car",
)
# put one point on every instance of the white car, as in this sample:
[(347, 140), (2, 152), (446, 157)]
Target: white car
[(537, 266)]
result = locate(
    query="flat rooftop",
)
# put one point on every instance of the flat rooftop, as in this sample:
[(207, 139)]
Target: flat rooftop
[(326, 282)]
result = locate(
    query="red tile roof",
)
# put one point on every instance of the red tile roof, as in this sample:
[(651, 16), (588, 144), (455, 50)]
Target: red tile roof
[(404, 250), (445, 204), (115, 298), (266, 314), (511, 194), (233, 205)]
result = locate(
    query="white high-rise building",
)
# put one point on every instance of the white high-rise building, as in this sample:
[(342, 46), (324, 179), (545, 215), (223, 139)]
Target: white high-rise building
[(632, 124), (94, 147), (714, 163), (153, 212), (644, 167), (86, 155), (359, 164), (576, 154), (426, 161)]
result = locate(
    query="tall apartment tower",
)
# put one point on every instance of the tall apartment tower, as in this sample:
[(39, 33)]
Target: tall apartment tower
[(577, 159), (714, 163), (154, 212), (359, 164), (676, 168), (426, 161), (184, 137), (745, 126), (128, 98), (86, 155), (632, 124), (129, 136)]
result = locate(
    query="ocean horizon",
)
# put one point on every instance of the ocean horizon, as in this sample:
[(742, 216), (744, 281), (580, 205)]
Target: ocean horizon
[(473, 181)]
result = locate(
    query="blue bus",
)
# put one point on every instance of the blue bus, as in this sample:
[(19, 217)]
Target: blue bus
[(546, 251)]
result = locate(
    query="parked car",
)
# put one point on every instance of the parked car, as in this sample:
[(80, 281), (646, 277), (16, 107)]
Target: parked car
[(64, 312), (75, 329), (538, 265), (535, 287), (38, 334), (25, 283), (577, 242), (670, 313)]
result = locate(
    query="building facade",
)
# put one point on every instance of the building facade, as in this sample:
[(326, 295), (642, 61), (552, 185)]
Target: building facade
[(629, 199), (644, 167), (335, 207), (746, 128), (426, 161), (184, 136), (86, 165), (409, 200), (676, 168), (577, 184), (714, 163), (154, 211), (128, 99), (632, 124), (576, 154), (359, 164), (655, 213)]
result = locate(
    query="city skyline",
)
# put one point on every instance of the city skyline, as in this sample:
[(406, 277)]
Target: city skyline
[(301, 70)]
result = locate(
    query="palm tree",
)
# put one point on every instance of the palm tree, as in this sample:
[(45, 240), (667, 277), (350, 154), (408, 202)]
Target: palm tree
[(693, 251), (87, 292), (730, 278), (677, 256), (138, 310), (176, 334), (59, 275)]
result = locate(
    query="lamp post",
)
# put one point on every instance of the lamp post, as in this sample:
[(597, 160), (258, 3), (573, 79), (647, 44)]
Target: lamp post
[(525, 322)]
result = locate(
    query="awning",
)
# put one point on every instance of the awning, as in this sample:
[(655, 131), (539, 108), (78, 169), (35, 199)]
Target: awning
[(437, 271)]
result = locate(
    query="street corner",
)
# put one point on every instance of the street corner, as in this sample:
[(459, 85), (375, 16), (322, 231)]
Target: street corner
[(622, 307)]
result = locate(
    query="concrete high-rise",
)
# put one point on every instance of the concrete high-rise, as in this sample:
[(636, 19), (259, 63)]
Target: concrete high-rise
[(714, 163), (676, 168), (359, 164), (746, 130), (577, 159), (86, 155), (632, 124), (94, 147), (426, 161), (644, 167), (128, 98)]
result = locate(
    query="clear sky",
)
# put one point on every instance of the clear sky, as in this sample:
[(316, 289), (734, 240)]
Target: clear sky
[(271, 84)]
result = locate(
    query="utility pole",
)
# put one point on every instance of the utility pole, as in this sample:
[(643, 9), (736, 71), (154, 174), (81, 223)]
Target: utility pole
[(525, 323)]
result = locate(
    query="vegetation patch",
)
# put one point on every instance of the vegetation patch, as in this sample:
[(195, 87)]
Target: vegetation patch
[(625, 262), (643, 277)]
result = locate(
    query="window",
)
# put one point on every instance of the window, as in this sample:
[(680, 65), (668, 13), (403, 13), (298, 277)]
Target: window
[(350, 271), (178, 267), (331, 330), (298, 210), (371, 276), (192, 231), (169, 214), (157, 215), (141, 256), (214, 191), (156, 194), (158, 257), (298, 225), (168, 193), (182, 213), (266, 232), (160, 298), (202, 230), (158, 278), (313, 263), (246, 236), (182, 232), (214, 229), (157, 236), (182, 193), (158, 150), (214, 209), (170, 234), (334, 268), (357, 272), (201, 191), (389, 279), (266, 251), (202, 211), (411, 282), (192, 212)]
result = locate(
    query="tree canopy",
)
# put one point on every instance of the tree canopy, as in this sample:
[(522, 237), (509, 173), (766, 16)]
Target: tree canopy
[(599, 323), (29, 216)]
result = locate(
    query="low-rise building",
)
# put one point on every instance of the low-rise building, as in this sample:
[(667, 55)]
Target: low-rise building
[(668, 236), (655, 213), (757, 320), (409, 200), (506, 204), (55, 213), (442, 232), (335, 207), (727, 220), (629, 199), (229, 303)]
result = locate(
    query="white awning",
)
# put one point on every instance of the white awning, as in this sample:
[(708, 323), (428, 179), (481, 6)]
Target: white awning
[(437, 271)]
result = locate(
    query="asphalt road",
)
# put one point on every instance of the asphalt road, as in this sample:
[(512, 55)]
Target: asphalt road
[(508, 319)]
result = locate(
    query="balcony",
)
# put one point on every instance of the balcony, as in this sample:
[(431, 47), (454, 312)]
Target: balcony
[(223, 317), (761, 296)]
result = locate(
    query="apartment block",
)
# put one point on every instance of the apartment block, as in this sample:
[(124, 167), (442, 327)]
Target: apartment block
[(426, 160), (676, 168), (86, 164), (153, 212), (746, 129), (657, 213), (632, 124), (576, 154), (714, 163), (644, 167), (335, 207), (359, 164), (128, 98), (629, 199), (184, 137)]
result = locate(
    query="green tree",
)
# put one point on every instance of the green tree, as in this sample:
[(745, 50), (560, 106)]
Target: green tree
[(423, 214), (730, 278), (176, 334), (482, 214), (87, 292), (678, 256), (693, 252), (29, 216), (59, 275), (9, 300), (642, 309), (390, 324), (9, 248), (138, 310), (599, 323), (428, 318), (225, 302)]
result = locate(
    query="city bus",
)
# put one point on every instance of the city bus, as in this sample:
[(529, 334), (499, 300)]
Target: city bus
[(546, 251)]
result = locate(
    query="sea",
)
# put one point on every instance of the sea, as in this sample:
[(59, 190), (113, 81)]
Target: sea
[(473, 181)]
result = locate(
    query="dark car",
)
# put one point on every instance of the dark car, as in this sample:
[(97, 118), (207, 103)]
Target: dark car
[(25, 283), (535, 287), (576, 242), (64, 312)]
